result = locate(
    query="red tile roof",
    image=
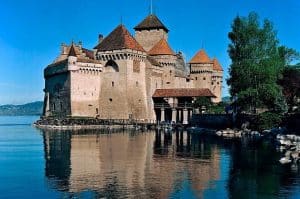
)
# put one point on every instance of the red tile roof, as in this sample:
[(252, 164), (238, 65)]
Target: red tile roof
[(216, 65), (119, 39), (89, 53), (161, 48), (151, 22), (200, 57), (183, 92)]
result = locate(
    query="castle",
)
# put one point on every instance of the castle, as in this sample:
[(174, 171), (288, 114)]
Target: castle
[(130, 77)]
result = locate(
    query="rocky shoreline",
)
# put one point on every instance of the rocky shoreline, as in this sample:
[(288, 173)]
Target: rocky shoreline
[(89, 123), (288, 144)]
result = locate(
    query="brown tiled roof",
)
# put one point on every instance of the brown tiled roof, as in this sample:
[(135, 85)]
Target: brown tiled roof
[(216, 65), (85, 60), (161, 48), (183, 92), (89, 53), (119, 39), (200, 57), (151, 22)]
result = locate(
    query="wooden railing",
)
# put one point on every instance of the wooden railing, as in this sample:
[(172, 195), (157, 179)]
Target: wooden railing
[(173, 105)]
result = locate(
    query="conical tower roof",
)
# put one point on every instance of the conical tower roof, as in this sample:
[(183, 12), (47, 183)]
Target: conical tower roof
[(73, 51), (161, 48), (118, 39), (200, 57), (151, 22), (216, 65)]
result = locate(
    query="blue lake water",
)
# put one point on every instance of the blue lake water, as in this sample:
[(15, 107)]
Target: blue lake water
[(97, 164)]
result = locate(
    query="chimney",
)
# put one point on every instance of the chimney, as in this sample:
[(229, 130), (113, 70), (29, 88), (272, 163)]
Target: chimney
[(100, 38)]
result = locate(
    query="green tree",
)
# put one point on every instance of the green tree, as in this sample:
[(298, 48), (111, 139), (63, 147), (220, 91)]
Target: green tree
[(256, 63), (202, 101)]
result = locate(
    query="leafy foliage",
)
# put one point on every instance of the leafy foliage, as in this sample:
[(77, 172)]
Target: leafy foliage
[(202, 101), (267, 120), (291, 85), (256, 63)]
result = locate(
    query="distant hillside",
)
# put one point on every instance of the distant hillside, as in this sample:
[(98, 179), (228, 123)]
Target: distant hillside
[(34, 108)]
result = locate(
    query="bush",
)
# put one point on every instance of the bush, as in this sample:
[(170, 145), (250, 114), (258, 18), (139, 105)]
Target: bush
[(267, 120)]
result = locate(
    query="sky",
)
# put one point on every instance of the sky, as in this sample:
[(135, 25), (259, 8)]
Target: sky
[(32, 31)]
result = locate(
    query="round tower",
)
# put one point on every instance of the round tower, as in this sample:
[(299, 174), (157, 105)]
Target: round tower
[(201, 70)]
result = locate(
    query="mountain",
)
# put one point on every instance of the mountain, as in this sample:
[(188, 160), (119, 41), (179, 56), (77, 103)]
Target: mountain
[(33, 108)]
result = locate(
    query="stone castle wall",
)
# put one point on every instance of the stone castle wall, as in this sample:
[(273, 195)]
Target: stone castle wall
[(148, 38), (57, 90), (85, 92)]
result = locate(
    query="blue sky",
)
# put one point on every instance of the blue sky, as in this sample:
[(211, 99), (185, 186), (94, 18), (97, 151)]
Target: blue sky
[(31, 31)]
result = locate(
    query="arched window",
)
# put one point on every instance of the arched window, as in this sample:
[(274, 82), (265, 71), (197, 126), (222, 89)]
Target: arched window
[(111, 66)]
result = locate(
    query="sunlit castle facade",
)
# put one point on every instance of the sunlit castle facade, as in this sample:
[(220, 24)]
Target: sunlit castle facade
[(130, 77)]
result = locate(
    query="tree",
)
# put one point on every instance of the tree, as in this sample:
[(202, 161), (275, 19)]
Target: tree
[(202, 101), (256, 63), (291, 84)]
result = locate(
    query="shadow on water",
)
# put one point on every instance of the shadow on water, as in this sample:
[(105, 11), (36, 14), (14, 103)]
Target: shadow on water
[(164, 164)]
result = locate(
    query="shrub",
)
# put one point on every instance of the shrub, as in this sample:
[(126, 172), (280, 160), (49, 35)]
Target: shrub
[(267, 120)]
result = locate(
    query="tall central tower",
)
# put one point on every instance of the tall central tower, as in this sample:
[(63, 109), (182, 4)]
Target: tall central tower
[(150, 31)]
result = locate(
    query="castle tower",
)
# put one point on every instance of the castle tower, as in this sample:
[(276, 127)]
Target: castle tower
[(201, 69), (150, 31), (123, 81), (216, 84), (66, 80), (166, 57)]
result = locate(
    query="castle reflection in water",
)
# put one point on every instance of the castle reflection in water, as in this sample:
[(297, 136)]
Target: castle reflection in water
[(125, 164)]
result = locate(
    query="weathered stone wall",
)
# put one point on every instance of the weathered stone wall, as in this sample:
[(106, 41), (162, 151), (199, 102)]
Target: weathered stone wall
[(85, 92), (216, 86), (136, 89), (113, 102), (148, 38), (58, 89), (154, 76), (202, 75)]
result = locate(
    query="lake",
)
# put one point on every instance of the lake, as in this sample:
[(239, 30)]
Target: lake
[(98, 164)]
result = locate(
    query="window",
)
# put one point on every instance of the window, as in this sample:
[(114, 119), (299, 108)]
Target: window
[(110, 99), (204, 78), (136, 84), (112, 84), (196, 78), (97, 111)]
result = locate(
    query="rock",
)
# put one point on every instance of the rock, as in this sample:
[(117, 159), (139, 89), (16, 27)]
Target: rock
[(245, 125), (285, 160), (285, 142), (295, 155), (288, 154), (219, 133)]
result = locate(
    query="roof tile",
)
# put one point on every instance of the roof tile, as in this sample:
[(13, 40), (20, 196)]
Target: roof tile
[(118, 39), (151, 22), (183, 92), (216, 65), (200, 57), (161, 48)]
